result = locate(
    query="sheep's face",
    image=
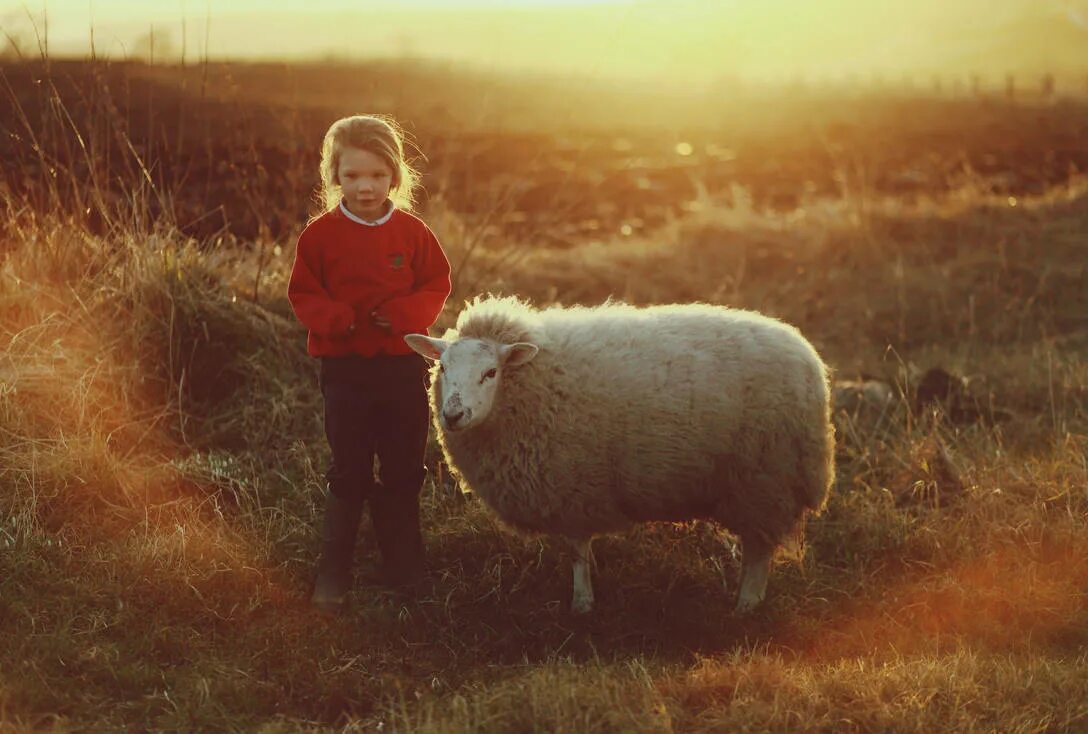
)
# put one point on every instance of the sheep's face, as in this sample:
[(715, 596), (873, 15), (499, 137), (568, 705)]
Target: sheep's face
[(469, 373)]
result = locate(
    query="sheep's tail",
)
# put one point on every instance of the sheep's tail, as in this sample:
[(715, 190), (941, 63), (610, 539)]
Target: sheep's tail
[(817, 455)]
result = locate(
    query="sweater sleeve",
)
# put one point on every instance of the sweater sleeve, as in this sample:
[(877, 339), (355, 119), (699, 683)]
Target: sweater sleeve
[(313, 305), (419, 309)]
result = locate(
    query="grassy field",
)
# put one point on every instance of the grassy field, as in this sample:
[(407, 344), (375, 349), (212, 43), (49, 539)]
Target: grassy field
[(160, 429)]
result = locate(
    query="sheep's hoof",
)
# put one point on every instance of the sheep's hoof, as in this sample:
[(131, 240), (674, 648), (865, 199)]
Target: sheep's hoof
[(581, 605), (746, 605)]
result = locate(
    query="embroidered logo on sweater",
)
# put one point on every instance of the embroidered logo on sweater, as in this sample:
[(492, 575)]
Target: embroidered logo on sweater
[(397, 261)]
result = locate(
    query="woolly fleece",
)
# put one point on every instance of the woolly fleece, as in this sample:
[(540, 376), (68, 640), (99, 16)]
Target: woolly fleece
[(637, 414)]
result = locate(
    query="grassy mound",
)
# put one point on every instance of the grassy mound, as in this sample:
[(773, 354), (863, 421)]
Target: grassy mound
[(161, 458)]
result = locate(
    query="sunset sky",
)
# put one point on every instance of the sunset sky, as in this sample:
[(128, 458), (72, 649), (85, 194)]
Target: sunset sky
[(692, 39)]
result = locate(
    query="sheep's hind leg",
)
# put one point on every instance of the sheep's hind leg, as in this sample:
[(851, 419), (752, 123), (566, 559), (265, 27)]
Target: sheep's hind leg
[(582, 603), (755, 567)]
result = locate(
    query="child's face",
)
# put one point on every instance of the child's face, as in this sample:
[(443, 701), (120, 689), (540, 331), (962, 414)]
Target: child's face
[(365, 180)]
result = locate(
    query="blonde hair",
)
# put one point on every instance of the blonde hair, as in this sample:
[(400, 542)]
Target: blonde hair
[(376, 134)]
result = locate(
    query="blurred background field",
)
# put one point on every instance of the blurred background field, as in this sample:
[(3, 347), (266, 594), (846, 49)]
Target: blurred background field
[(160, 428)]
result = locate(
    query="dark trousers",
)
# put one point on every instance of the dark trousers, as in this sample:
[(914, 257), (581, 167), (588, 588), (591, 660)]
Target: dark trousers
[(375, 407)]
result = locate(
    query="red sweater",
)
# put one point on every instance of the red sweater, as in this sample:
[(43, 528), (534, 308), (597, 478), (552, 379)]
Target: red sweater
[(344, 270)]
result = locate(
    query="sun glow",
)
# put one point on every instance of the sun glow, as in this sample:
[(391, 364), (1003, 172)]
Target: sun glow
[(686, 40)]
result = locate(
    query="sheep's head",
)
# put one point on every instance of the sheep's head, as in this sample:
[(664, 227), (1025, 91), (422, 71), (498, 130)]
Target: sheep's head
[(469, 373)]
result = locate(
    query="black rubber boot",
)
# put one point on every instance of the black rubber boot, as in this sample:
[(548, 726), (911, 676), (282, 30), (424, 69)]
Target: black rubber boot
[(395, 518), (339, 530)]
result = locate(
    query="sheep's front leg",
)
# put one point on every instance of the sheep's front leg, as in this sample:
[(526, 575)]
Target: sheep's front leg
[(582, 602), (754, 568)]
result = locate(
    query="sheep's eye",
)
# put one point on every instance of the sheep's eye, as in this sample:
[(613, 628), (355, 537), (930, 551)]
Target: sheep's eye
[(489, 374), (441, 367)]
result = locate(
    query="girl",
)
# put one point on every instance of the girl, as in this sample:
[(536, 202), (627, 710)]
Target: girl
[(366, 273)]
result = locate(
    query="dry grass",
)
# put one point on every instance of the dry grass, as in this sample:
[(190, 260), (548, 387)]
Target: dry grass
[(161, 453)]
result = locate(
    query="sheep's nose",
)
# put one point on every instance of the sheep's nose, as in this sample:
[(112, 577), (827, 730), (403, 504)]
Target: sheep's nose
[(452, 418)]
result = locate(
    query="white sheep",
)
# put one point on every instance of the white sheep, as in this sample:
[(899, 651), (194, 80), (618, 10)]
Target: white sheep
[(581, 421)]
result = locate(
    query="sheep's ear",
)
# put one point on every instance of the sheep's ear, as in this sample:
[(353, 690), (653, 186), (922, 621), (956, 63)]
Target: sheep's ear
[(513, 355), (426, 346)]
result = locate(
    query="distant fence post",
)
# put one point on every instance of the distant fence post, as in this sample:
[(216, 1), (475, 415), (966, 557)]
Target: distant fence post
[(1048, 86), (1010, 87)]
